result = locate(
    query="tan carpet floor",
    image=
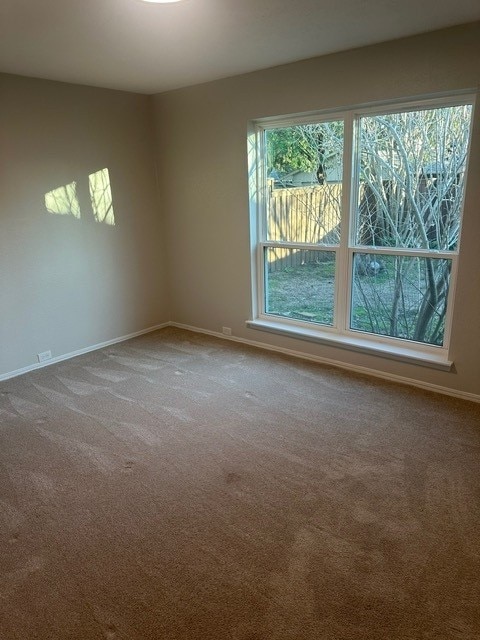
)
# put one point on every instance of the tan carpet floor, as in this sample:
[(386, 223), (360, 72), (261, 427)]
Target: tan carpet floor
[(180, 487)]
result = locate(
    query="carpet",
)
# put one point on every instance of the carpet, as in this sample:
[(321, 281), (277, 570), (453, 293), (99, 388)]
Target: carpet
[(182, 487)]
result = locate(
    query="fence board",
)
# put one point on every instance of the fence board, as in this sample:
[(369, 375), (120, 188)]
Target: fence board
[(302, 214)]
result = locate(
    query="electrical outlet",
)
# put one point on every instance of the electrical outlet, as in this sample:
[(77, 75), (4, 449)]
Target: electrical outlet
[(44, 356), (226, 331)]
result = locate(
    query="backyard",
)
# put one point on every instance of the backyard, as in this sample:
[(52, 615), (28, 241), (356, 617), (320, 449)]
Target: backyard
[(387, 295)]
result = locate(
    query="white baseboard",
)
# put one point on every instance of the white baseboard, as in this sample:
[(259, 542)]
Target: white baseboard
[(79, 352), (260, 345), (338, 364)]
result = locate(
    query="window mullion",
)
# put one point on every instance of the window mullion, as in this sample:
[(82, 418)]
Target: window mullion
[(300, 245), (342, 281)]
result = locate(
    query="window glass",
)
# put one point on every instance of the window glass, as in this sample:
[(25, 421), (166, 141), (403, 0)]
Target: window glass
[(411, 178), (400, 296), (300, 284), (304, 179)]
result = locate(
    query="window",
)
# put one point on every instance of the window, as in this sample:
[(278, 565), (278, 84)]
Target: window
[(357, 220)]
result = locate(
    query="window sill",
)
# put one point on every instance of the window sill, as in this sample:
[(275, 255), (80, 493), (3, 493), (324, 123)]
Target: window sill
[(361, 345)]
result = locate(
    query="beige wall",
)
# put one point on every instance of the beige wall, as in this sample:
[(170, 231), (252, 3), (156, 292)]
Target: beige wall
[(201, 151), (68, 283)]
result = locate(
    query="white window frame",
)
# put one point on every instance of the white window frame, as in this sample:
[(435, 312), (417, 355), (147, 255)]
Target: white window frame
[(340, 334)]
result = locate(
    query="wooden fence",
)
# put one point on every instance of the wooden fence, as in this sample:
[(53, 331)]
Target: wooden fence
[(303, 214)]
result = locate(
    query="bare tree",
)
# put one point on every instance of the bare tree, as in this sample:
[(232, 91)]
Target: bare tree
[(412, 168)]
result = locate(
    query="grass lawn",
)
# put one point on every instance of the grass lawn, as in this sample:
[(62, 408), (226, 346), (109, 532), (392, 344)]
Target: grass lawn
[(306, 292)]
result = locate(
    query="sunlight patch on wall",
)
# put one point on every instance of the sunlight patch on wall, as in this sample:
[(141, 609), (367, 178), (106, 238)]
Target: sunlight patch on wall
[(101, 197), (63, 200)]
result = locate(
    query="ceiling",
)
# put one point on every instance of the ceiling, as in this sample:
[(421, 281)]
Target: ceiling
[(148, 48)]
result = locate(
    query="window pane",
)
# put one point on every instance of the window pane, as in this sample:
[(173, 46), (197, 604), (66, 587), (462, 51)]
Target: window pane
[(400, 296), (411, 178), (300, 284), (304, 174)]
